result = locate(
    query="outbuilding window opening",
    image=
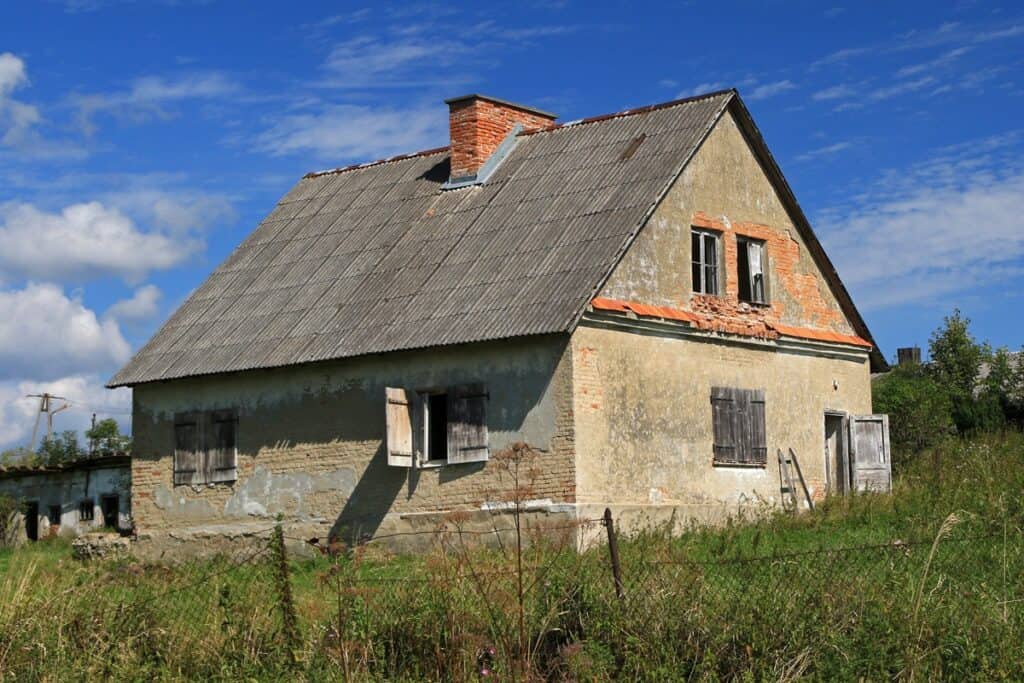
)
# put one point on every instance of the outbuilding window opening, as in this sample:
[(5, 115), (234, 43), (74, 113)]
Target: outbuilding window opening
[(738, 421), (111, 509), (86, 512), (54, 515), (705, 261), (750, 261), (427, 428)]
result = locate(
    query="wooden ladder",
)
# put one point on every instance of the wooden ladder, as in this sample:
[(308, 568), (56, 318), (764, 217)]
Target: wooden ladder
[(786, 465)]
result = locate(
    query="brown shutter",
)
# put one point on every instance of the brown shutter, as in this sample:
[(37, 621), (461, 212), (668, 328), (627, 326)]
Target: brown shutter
[(723, 419), (758, 444), (467, 424), (869, 453), (187, 453), (222, 446), (400, 419)]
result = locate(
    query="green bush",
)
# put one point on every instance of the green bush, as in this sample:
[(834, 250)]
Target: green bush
[(920, 411)]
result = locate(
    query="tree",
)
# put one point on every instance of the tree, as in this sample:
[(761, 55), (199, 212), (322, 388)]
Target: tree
[(56, 450), (920, 412), (956, 359), (106, 436)]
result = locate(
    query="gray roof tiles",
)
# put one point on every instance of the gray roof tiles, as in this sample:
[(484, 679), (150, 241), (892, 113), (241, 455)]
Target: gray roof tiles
[(378, 258)]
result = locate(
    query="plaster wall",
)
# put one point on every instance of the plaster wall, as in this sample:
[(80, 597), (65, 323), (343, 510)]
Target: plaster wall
[(644, 431), (311, 444), (67, 489), (724, 189)]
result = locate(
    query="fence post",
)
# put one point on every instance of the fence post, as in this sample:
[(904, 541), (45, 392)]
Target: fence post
[(283, 586), (613, 551)]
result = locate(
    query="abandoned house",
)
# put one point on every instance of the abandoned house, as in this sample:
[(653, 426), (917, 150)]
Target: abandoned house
[(638, 296), (73, 498)]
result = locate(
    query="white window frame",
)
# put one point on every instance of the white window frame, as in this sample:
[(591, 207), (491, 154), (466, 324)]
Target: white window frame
[(701, 260)]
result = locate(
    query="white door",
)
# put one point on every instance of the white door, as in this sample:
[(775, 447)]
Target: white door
[(870, 463)]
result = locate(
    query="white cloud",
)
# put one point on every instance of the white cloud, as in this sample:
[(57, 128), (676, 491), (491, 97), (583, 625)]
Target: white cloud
[(701, 89), (954, 223), (767, 90), (932, 64), (836, 92), (19, 122), (150, 96), (370, 62), (902, 88), (144, 304), (356, 132), (85, 393), (827, 150), (46, 334), (84, 241)]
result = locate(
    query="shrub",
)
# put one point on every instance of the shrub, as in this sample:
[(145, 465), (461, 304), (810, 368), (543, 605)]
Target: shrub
[(920, 412)]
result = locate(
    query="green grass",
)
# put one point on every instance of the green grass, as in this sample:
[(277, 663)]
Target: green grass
[(867, 587)]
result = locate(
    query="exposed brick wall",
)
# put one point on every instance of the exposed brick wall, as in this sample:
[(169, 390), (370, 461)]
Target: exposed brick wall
[(726, 313), (477, 128)]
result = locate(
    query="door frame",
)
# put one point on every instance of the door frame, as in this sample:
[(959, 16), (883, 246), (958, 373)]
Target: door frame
[(835, 483)]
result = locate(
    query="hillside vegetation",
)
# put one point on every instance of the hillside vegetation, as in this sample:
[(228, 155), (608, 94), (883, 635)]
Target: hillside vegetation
[(925, 584)]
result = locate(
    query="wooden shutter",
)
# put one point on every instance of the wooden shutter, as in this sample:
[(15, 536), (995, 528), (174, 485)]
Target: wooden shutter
[(757, 445), (467, 424), (188, 457), (723, 419), (869, 453), (222, 446), (738, 418), (400, 419)]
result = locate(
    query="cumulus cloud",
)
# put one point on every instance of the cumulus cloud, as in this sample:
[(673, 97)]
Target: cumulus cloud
[(354, 132), (144, 304), (84, 241), (46, 334), (85, 395)]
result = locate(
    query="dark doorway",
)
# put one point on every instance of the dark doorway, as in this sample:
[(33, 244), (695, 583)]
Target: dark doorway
[(32, 521), (110, 511), (437, 427), (837, 453)]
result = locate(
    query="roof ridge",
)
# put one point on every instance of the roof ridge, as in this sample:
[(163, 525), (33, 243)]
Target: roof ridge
[(556, 126), (631, 112), (378, 162)]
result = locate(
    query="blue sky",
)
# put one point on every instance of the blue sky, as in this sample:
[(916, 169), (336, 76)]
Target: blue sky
[(140, 141)]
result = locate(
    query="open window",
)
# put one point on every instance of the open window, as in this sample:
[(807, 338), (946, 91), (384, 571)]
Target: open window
[(437, 427), (705, 256), (751, 262), (205, 447), (86, 511), (738, 420)]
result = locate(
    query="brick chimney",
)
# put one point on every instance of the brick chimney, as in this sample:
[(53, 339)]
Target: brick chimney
[(479, 124)]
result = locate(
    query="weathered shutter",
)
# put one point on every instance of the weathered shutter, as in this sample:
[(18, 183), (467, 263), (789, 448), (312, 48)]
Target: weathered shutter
[(723, 420), (188, 465), (757, 451), (467, 424), (869, 453), (222, 446), (400, 419)]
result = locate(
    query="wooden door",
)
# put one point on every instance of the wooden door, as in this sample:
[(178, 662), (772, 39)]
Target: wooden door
[(870, 462)]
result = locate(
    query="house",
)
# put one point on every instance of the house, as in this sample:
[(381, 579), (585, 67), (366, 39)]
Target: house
[(89, 494), (638, 296)]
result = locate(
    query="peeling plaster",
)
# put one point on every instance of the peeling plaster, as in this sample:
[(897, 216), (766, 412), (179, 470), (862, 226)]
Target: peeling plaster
[(265, 494)]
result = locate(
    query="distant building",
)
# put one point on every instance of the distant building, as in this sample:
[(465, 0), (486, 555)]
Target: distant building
[(70, 499)]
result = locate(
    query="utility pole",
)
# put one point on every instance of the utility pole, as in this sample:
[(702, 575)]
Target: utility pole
[(46, 406)]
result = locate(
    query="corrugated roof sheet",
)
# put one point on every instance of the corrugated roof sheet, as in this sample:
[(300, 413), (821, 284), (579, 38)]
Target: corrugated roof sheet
[(378, 258)]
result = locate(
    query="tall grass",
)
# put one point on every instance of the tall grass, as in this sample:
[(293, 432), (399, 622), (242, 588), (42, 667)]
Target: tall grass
[(925, 584)]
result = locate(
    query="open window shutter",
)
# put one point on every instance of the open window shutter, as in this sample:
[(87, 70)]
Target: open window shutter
[(400, 420), (869, 453), (222, 447), (723, 419), (187, 454), (467, 424), (758, 442)]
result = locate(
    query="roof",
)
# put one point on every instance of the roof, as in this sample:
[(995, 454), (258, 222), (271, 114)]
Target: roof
[(377, 257), (88, 463)]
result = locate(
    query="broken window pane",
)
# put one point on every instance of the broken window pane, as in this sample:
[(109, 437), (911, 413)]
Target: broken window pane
[(750, 258)]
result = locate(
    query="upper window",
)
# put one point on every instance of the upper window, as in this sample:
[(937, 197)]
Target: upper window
[(738, 418), (437, 427), (750, 261), (205, 447), (705, 261)]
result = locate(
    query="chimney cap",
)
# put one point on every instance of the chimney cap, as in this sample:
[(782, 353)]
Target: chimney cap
[(496, 100)]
